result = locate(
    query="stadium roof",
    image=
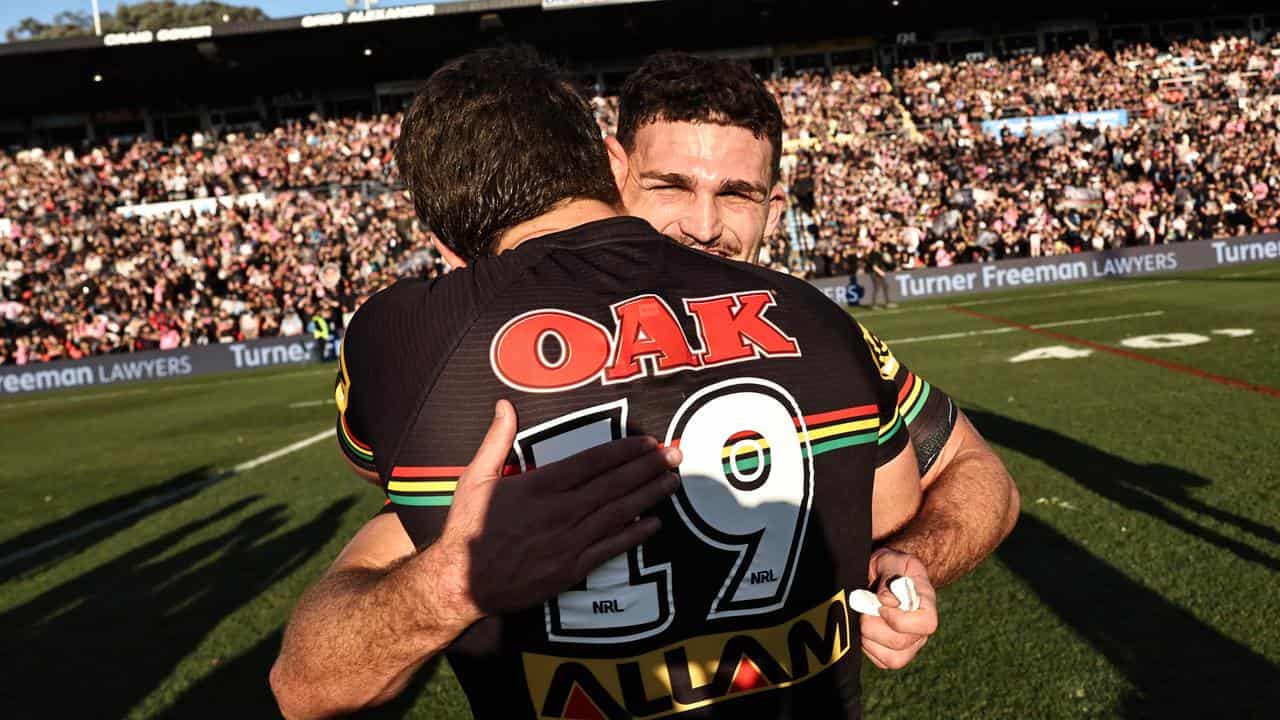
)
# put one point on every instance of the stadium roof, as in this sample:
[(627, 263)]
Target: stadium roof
[(300, 22), (234, 63)]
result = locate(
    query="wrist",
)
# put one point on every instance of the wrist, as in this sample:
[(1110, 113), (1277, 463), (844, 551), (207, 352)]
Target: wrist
[(447, 588)]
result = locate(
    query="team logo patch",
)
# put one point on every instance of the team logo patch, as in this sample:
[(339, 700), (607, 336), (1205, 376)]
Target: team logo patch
[(885, 362), (343, 389)]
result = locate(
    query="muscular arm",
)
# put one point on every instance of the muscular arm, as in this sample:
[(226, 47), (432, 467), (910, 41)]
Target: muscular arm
[(970, 505), (897, 494), (357, 635)]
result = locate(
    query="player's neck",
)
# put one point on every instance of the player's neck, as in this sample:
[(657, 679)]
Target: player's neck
[(564, 216)]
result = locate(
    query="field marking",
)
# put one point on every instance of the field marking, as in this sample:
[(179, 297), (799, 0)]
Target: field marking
[(153, 501), (310, 403), (1167, 365), (992, 301), (169, 388), (1269, 271), (998, 331)]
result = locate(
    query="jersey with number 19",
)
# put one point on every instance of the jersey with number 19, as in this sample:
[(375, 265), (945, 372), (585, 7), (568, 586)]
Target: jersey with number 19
[(783, 408)]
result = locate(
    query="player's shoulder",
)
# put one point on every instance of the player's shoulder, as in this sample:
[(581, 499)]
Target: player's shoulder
[(388, 306)]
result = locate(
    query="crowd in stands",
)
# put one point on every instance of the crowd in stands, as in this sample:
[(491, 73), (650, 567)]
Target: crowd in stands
[(79, 277), (897, 164), (1199, 158)]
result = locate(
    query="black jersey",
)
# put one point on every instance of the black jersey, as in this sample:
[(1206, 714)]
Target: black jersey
[(782, 405)]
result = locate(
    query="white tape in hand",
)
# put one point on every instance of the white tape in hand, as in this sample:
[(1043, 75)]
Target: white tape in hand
[(903, 588), (865, 602)]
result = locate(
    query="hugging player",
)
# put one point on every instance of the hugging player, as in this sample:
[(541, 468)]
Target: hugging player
[(596, 327)]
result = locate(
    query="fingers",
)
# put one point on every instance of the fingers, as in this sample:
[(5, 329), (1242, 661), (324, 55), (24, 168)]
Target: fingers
[(877, 631), (884, 594), (491, 456), (573, 471), (887, 563), (616, 544), (918, 622), (887, 659), (886, 649), (621, 512), (922, 621), (618, 482)]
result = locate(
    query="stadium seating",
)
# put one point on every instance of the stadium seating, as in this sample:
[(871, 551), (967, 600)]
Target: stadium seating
[(312, 222)]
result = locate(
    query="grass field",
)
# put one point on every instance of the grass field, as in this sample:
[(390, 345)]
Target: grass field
[(1143, 579)]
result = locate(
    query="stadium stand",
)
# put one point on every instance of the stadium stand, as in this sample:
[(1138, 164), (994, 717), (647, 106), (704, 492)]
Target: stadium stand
[(302, 221)]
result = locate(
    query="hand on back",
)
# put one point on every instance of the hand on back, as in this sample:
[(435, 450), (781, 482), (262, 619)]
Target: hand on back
[(525, 538)]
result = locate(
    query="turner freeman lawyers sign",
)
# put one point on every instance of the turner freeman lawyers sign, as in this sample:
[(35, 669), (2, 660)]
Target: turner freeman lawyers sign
[(158, 365), (915, 284), (1124, 262)]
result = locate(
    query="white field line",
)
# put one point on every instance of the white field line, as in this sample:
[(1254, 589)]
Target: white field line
[(310, 403), (1020, 298), (1269, 271), (161, 499), (997, 331), (170, 388)]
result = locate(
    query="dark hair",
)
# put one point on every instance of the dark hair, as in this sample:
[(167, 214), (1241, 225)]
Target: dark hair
[(495, 138), (678, 87)]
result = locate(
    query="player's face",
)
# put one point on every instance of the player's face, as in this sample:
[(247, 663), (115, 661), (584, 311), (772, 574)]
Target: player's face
[(705, 186)]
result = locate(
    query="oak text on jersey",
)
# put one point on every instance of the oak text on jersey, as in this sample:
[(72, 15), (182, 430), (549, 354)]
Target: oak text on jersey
[(646, 340)]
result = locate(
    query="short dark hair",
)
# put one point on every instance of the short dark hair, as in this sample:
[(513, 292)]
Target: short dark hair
[(494, 138), (678, 87)]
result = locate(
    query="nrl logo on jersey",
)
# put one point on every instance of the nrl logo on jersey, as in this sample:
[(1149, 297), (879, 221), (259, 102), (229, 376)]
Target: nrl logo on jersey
[(550, 350)]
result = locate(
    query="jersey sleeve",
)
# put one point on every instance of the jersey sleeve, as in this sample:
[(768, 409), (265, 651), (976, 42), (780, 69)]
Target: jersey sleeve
[(396, 349), (353, 395), (927, 413), (892, 435), (378, 387)]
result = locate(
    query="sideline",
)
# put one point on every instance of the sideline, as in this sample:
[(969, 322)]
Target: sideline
[(151, 502), (999, 331), (181, 387), (1016, 298)]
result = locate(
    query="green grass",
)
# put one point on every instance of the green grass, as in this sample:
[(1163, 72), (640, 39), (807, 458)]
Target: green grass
[(1141, 582)]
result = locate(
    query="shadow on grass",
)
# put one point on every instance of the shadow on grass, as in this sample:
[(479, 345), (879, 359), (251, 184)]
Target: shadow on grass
[(86, 528), (239, 687), (1149, 489), (1179, 666), (98, 644)]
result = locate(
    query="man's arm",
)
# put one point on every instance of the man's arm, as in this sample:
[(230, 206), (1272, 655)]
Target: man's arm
[(382, 610), (969, 502), (892, 639), (939, 521), (970, 505), (357, 636)]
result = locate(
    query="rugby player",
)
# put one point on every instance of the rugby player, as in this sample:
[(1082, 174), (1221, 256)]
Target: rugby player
[(697, 154), (554, 594)]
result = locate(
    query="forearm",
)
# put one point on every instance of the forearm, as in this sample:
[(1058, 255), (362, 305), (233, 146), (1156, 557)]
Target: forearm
[(357, 636), (964, 515)]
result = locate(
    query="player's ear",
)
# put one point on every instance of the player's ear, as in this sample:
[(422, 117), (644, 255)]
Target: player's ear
[(777, 203), (618, 161), (453, 259)]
